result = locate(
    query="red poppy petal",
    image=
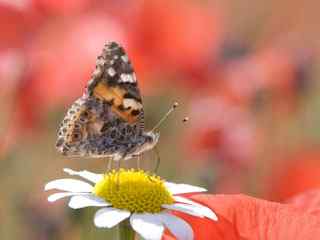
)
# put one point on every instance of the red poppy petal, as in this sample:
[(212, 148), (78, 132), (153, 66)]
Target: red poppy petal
[(204, 228), (309, 201), (244, 217)]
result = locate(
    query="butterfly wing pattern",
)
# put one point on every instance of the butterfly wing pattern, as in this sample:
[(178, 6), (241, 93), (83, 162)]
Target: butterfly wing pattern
[(108, 120)]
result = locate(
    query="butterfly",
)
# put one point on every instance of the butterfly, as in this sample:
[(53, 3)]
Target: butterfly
[(108, 120)]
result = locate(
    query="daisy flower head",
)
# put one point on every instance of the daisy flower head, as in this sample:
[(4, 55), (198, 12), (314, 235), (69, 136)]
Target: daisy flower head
[(142, 199)]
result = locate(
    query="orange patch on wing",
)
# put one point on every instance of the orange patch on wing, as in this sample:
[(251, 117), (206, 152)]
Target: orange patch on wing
[(115, 94)]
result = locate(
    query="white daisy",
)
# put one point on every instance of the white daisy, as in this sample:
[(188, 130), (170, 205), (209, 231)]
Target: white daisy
[(135, 195)]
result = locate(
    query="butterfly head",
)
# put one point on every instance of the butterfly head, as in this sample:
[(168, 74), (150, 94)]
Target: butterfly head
[(151, 140)]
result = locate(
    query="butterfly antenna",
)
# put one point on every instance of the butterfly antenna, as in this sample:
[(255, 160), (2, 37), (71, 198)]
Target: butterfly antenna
[(173, 107)]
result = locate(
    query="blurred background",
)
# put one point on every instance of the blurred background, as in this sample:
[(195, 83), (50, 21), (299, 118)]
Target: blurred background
[(244, 72)]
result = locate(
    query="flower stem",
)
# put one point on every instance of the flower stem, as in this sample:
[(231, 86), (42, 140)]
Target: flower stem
[(125, 231)]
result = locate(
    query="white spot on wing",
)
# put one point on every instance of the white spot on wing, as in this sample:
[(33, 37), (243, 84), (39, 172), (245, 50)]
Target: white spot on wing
[(128, 78), (128, 102), (125, 58), (111, 71)]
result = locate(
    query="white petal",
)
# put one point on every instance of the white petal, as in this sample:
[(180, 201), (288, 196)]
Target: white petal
[(109, 217), (70, 185), (178, 227), (185, 200), (189, 209), (92, 177), (56, 196), (77, 202), (149, 226), (207, 212), (183, 188), (199, 211)]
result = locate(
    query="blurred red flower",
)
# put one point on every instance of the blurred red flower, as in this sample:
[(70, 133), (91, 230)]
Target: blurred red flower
[(221, 130), (64, 7), (243, 217), (292, 175), (14, 26), (170, 37), (280, 73)]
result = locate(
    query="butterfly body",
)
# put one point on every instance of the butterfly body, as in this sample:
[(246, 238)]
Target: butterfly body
[(108, 120)]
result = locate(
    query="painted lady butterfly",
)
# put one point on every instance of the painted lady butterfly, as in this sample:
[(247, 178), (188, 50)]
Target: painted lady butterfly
[(108, 120)]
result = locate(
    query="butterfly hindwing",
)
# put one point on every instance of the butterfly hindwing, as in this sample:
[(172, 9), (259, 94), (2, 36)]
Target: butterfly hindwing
[(91, 128)]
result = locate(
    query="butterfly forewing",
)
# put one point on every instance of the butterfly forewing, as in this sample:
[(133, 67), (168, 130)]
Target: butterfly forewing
[(114, 81)]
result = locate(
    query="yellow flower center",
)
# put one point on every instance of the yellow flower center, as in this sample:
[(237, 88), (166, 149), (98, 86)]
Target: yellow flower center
[(133, 190)]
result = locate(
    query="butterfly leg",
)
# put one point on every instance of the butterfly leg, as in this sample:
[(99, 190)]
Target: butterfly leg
[(119, 162), (158, 160), (118, 173), (109, 167), (138, 161), (157, 163)]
